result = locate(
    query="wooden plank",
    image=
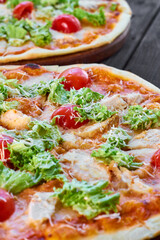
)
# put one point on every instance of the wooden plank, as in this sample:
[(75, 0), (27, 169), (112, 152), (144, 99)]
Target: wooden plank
[(143, 15), (146, 60)]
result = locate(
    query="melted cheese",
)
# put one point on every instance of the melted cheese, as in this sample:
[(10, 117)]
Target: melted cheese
[(41, 207), (84, 167)]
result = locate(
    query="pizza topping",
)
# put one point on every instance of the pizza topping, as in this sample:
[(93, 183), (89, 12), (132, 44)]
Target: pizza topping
[(83, 166), (23, 10), (96, 18), (17, 181), (41, 207), (66, 23), (86, 198), (114, 103), (141, 118), (95, 112), (3, 1), (155, 160), (117, 137), (67, 117), (147, 139), (107, 153), (113, 7), (4, 152), (75, 78), (7, 205)]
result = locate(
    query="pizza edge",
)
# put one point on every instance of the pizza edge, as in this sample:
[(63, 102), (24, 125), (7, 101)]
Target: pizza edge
[(151, 227), (36, 52)]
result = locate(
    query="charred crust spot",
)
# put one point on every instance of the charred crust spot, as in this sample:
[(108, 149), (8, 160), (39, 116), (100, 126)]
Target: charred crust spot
[(32, 66)]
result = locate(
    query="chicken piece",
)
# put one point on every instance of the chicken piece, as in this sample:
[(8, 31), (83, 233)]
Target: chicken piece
[(124, 179), (91, 131), (14, 119), (133, 98), (47, 112), (29, 106), (114, 103), (41, 207), (143, 154), (16, 74), (72, 141), (3, 46), (146, 139), (83, 166)]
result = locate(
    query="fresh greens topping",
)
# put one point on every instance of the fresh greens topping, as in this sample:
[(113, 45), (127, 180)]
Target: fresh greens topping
[(113, 7), (108, 153), (18, 32), (95, 112), (88, 199), (117, 137), (5, 106), (97, 18), (141, 118), (17, 181), (14, 3)]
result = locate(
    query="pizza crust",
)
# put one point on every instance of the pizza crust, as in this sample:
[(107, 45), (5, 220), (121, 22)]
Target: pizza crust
[(151, 227), (37, 52)]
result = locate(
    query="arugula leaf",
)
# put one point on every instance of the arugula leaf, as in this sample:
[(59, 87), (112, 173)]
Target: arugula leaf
[(95, 112), (5, 106), (117, 137), (142, 118), (16, 181), (84, 96), (113, 7), (14, 3), (86, 198), (41, 35), (108, 153), (97, 18)]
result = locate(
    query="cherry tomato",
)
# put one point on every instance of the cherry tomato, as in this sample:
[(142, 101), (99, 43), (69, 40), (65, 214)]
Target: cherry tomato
[(66, 23), (4, 152), (23, 10), (3, 1), (67, 117), (155, 160), (75, 78), (7, 205)]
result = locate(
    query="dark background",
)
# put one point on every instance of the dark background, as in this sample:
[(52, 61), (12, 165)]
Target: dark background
[(141, 52)]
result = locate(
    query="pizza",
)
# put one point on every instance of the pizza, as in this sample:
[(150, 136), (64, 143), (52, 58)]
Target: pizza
[(39, 28), (80, 154)]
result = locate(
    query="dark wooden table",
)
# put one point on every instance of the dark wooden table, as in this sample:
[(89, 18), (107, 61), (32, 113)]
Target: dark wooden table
[(141, 52)]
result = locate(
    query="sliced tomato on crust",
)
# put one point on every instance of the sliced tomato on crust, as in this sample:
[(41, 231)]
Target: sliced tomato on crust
[(7, 205), (23, 10), (75, 78), (66, 23), (67, 117)]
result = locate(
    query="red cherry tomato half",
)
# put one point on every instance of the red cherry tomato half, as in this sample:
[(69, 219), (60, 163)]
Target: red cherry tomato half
[(67, 117), (23, 10), (3, 1), (155, 160), (4, 152), (7, 205), (75, 78), (66, 23)]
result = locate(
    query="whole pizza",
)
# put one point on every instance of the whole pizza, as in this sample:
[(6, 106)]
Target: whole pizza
[(44, 28), (80, 155)]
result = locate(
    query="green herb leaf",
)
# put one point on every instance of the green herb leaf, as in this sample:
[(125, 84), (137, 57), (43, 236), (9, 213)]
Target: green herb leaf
[(97, 18), (5, 106), (113, 7), (16, 181), (95, 112), (142, 118), (88, 199), (117, 137), (108, 153)]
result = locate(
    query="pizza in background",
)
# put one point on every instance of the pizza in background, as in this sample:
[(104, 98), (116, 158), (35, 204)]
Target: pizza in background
[(79, 159), (39, 29)]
